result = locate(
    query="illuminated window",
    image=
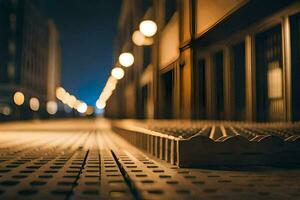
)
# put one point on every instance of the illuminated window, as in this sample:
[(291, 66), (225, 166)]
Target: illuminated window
[(269, 75)]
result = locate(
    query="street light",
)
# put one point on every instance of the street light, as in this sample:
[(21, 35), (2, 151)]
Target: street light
[(126, 59), (140, 39), (51, 107), (117, 73), (19, 98), (60, 92), (100, 104), (82, 108), (34, 104), (148, 28)]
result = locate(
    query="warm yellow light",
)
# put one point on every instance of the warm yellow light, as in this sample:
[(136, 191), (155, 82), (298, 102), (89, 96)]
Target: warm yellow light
[(71, 101), (126, 59), (34, 104), (77, 104), (148, 28), (110, 86), (19, 98), (89, 110), (139, 39), (51, 107), (112, 80), (100, 104), (117, 73), (60, 92), (82, 108)]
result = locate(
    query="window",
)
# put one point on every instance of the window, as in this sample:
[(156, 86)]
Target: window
[(269, 75), (146, 4), (144, 101), (167, 94), (170, 9), (295, 44), (239, 77), (147, 56), (219, 81), (200, 89)]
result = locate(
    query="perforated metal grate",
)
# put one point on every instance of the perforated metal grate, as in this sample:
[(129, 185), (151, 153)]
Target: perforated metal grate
[(98, 164), (212, 143)]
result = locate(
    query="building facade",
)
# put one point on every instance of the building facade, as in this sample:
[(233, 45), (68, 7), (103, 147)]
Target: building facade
[(54, 61), (218, 60), (24, 57)]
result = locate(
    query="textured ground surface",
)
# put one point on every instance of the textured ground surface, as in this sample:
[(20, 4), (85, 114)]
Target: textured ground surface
[(84, 160)]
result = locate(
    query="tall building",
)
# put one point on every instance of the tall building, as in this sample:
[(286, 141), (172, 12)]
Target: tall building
[(24, 58), (54, 61), (211, 59)]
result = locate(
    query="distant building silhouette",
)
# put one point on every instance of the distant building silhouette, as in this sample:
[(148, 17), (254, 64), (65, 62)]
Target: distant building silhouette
[(221, 60), (28, 62)]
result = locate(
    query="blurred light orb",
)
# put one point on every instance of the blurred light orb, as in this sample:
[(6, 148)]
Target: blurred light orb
[(139, 39), (60, 92), (90, 110), (117, 73), (126, 59), (34, 104), (19, 98), (72, 101), (100, 104), (6, 110), (82, 108), (51, 107), (148, 28)]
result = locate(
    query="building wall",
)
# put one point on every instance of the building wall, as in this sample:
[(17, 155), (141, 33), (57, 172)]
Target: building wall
[(24, 49), (54, 61), (217, 60)]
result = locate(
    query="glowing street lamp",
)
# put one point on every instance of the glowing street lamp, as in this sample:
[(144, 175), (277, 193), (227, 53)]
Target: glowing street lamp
[(139, 39), (19, 98), (60, 92), (117, 73), (82, 108), (51, 107), (100, 104), (34, 104), (148, 28), (126, 59)]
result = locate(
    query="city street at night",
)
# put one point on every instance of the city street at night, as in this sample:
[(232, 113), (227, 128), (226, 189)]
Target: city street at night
[(150, 99), (84, 159)]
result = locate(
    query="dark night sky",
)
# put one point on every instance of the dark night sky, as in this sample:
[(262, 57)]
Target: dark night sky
[(87, 29)]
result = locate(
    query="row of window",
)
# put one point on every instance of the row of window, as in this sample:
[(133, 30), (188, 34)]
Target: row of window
[(269, 75)]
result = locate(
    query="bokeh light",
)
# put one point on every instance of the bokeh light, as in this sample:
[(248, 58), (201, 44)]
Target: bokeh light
[(117, 73), (126, 59), (19, 98), (34, 104), (140, 39), (148, 28), (51, 107), (82, 108)]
